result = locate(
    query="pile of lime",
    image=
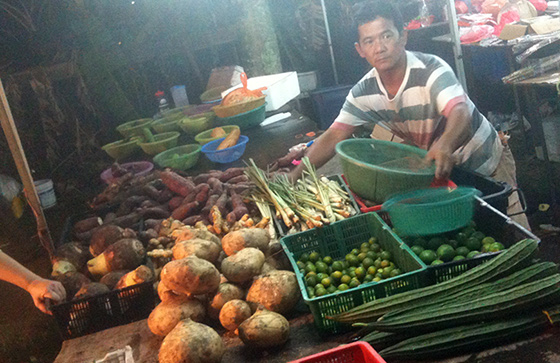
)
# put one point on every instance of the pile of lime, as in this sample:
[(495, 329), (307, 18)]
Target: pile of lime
[(466, 243), (369, 263)]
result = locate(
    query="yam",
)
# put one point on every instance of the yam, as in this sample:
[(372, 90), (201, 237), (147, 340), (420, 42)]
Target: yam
[(74, 252), (141, 274), (168, 313), (244, 265), (276, 291), (87, 224), (226, 292), (72, 282), (91, 289), (207, 250), (191, 342), (125, 254), (190, 275), (235, 241), (233, 313), (265, 329), (112, 278)]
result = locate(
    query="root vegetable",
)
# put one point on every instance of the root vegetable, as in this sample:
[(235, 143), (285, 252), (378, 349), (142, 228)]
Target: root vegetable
[(221, 203), (202, 195), (165, 195), (165, 293), (167, 314), (87, 224), (216, 186), (186, 234), (207, 250), (267, 267), (175, 202), (61, 267), (230, 140), (191, 275), (91, 289), (233, 313), (72, 282), (177, 183), (239, 208), (150, 191), (112, 278), (85, 236), (231, 173), (218, 132), (109, 218), (217, 221), (236, 241), (154, 213), (185, 210), (127, 220), (154, 224), (125, 254), (103, 237), (192, 220), (74, 252), (202, 178), (239, 179), (147, 235), (276, 291), (265, 329), (191, 342), (209, 204), (226, 292), (141, 274), (244, 265)]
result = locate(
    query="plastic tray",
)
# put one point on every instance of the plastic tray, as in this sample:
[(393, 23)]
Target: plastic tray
[(118, 307), (336, 240), (357, 352)]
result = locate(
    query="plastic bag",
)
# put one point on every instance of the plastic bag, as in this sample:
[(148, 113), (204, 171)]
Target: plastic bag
[(492, 7), (506, 18), (540, 5), (476, 33), (9, 187)]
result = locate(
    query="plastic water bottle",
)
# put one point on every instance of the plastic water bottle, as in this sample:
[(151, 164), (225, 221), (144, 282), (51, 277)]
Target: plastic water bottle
[(424, 14), (163, 105)]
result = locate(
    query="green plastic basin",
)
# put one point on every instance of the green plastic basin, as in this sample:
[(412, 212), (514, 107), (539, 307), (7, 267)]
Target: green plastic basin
[(181, 157), (245, 120), (134, 128), (168, 124), (161, 142), (204, 137), (376, 169), (121, 149), (195, 124)]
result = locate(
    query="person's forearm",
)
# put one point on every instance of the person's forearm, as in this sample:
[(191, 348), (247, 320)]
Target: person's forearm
[(14, 273), (457, 128)]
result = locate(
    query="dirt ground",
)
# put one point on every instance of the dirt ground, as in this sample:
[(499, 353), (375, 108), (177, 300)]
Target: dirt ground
[(27, 335)]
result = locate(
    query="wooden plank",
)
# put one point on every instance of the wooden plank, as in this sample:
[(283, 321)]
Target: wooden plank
[(18, 154)]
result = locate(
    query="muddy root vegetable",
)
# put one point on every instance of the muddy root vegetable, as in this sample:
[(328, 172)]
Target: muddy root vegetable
[(234, 242), (207, 250), (265, 329), (91, 289), (103, 237), (234, 313), (72, 282), (87, 224), (276, 291), (185, 234), (168, 313), (61, 267), (226, 292), (244, 265), (112, 278), (125, 254), (191, 275), (191, 342), (141, 274)]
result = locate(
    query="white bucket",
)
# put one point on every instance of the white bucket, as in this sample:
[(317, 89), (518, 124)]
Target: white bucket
[(46, 194)]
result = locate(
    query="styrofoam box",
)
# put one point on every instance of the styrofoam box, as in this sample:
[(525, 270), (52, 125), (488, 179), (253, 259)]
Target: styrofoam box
[(281, 88)]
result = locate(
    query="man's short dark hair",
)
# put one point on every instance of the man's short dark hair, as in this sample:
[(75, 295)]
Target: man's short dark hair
[(367, 11)]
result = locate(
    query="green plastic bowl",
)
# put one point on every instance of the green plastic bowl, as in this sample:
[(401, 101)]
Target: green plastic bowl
[(204, 137), (162, 142), (196, 124), (121, 149), (376, 169), (134, 128), (431, 211), (167, 124), (245, 120), (181, 157)]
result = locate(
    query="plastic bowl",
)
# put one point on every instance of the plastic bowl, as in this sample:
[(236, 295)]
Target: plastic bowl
[(245, 120), (181, 157), (238, 108), (227, 155), (162, 142), (175, 112), (168, 124), (195, 124), (134, 128), (138, 168), (431, 211), (376, 169), (121, 149), (213, 95), (204, 137), (198, 109)]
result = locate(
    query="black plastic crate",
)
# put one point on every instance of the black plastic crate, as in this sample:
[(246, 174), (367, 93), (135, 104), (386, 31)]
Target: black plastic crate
[(89, 315)]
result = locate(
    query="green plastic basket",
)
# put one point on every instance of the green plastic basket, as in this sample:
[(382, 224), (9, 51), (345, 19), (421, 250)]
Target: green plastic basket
[(161, 142), (431, 211), (245, 120), (376, 169), (181, 157), (338, 239), (134, 128)]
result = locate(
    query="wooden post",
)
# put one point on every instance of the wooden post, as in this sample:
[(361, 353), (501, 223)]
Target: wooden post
[(18, 154)]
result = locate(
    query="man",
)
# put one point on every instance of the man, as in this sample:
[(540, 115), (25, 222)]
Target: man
[(39, 288), (419, 99)]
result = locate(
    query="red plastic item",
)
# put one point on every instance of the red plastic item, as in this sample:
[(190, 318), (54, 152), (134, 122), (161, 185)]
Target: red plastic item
[(357, 352), (365, 209)]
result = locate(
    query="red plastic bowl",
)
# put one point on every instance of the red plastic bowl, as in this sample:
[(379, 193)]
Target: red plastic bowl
[(139, 168), (357, 352)]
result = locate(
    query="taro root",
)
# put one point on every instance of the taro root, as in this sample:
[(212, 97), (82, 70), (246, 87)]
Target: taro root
[(74, 252), (72, 282), (103, 237), (125, 254), (112, 278)]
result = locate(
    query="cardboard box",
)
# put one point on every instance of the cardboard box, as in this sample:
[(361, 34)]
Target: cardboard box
[(225, 77), (540, 25), (513, 31)]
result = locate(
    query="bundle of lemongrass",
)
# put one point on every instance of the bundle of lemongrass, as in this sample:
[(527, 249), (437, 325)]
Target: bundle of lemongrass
[(311, 202)]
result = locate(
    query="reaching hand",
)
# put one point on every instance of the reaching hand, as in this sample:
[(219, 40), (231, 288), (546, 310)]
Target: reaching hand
[(444, 160), (42, 289)]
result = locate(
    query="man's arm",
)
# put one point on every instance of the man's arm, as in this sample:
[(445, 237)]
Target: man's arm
[(39, 288), (457, 131), (323, 149)]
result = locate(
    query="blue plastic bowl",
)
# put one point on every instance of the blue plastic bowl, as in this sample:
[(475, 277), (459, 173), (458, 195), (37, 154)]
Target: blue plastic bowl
[(227, 155)]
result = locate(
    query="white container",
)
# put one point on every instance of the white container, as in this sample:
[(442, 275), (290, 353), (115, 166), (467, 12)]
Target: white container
[(281, 88), (179, 94), (307, 81), (46, 194)]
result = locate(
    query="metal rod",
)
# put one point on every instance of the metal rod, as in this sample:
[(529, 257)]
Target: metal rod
[(456, 42), (329, 41)]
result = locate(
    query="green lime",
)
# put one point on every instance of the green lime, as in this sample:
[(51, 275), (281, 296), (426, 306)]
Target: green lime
[(352, 259), (310, 268), (360, 273), (478, 235), (304, 257), (354, 283), (377, 279), (488, 240), (377, 263), (445, 252), (485, 248), (362, 256), (331, 289), (462, 251), (436, 262), (472, 254), (428, 256), (453, 243), (372, 240), (496, 246), (337, 266), (434, 243), (311, 280), (468, 231), (458, 258), (368, 278), (395, 272), (420, 242), (328, 260), (321, 275), (320, 292), (310, 291), (473, 244), (371, 255), (352, 268), (352, 273), (364, 246), (355, 251), (461, 238), (371, 270), (319, 286), (367, 263), (343, 287), (375, 247), (337, 275), (387, 272), (345, 279), (385, 255), (301, 265), (321, 266), (417, 249), (314, 256), (326, 282), (385, 263)]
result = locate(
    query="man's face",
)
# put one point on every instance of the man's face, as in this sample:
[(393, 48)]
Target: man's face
[(380, 44)]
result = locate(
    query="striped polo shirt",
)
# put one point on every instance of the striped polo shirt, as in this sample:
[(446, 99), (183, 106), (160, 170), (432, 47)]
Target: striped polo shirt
[(418, 111)]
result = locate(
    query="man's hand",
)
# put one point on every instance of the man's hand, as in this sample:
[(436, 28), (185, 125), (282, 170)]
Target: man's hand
[(42, 289), (444, 160)]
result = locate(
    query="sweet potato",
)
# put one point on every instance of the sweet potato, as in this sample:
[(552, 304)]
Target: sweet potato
[(236, 241), (147, 235), (202, 195), (154, 213), (153, 224), (87, 224), (209, 204), (168, 313), (141, 274), (84, 236), (177, 183), (150, 191), (238, 208), (175, 202), (221, 203), (165, 195), (127, 220), (125, 254), (112, 278), (185, 210), (216, 186), (243, 265), (230, 140), (192, 220), (129, 204), (240, 187), (191, 275), (207, 250), (231, 173), (202, 178), (239, 179), (109, 218), (148, 203)]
